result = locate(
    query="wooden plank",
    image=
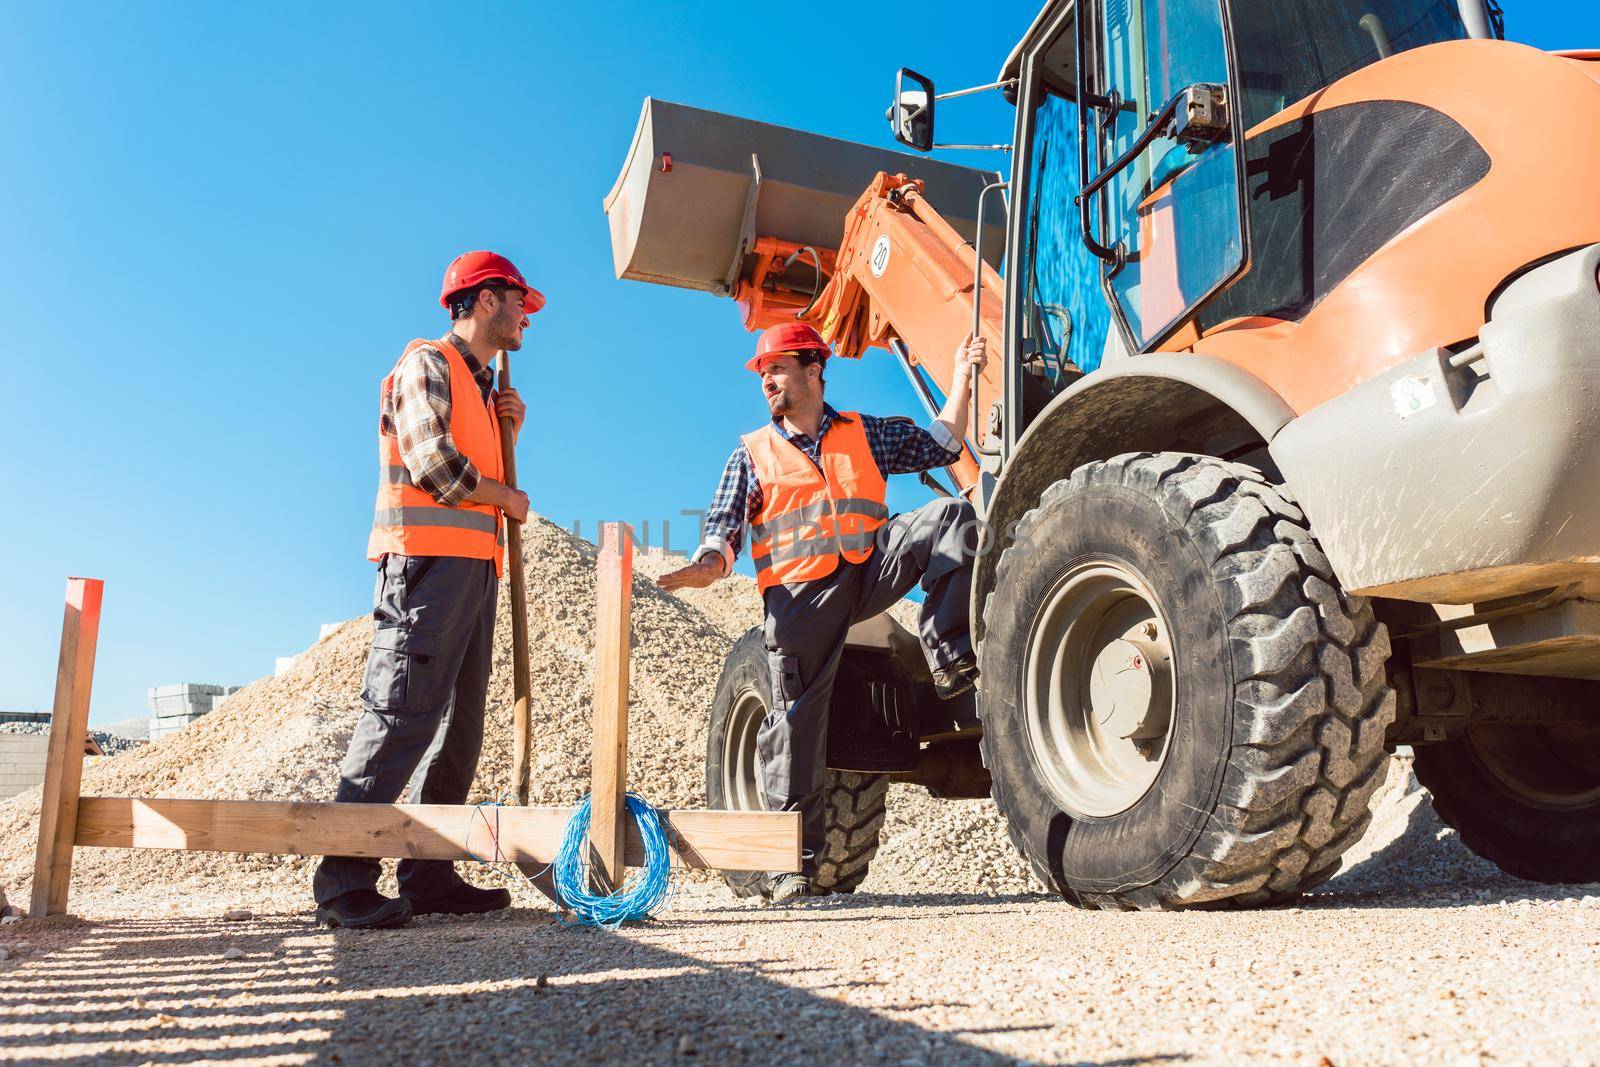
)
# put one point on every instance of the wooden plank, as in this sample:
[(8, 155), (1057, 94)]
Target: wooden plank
[(608, 818), (63, 775), (727, 840)]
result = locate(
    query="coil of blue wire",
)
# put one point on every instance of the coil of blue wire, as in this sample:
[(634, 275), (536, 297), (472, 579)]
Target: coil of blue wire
[(642, 892)]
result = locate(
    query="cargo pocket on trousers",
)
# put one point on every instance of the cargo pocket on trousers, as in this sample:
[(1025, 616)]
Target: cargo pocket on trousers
[(400, 670), (786, 684)]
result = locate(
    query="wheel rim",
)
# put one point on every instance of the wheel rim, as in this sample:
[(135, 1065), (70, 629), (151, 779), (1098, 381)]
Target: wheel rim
[(1553, 766), (1099, 695), (741, 760)]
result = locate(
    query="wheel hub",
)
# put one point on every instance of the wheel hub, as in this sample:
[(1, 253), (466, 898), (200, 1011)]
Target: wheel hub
[(1129, 687), (1100, 692), (1554, 766), (741, 758)]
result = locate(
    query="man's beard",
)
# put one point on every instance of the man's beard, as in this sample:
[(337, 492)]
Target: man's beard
[(507, 338), (780, 403)]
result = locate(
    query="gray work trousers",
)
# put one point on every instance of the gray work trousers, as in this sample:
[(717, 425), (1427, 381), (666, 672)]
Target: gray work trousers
[(426, 682), (805, 631)]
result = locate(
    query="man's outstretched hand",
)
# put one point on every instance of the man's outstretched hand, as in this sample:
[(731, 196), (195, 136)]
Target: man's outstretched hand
[(694, 576)]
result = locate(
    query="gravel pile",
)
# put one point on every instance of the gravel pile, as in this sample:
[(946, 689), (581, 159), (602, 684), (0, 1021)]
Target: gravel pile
[(281, 738), (135, 729), (116, 744)]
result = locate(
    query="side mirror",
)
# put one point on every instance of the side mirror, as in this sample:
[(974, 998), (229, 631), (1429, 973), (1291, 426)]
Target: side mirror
[(911, 117)]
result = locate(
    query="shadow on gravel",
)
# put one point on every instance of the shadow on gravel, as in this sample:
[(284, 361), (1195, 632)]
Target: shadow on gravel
[(1425, 865), (517, 988), (915, 907), (921, 904), (154, 991)]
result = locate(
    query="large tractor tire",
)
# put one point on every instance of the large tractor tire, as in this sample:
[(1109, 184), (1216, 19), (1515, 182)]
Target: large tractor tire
[(855, 801), (1525, 798), (1180, 706)]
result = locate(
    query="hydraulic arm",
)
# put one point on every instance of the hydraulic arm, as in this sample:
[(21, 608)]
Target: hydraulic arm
[(776, 219), (901, 278)]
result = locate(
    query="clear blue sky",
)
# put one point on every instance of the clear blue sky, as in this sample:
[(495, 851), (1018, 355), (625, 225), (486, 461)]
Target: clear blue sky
[(222, 223)]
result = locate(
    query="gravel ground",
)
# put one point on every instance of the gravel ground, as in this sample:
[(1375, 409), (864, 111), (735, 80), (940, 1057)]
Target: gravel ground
[(1434, 975), (1419, 952)]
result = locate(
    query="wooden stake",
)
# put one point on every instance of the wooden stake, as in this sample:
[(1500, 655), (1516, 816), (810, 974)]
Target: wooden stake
[(608, 815), (63, 775)]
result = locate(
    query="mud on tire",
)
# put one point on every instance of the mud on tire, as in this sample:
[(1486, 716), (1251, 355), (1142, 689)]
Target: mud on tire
[(854, 802), (1277, 692)]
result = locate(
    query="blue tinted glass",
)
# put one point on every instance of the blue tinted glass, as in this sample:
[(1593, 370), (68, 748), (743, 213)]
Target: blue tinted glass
[(1183, 238), (1065, 297), (1174, 209), (1288, 49)]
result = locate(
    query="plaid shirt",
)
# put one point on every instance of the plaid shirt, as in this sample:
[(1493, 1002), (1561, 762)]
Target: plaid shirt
[(418, 413), (898, 445)]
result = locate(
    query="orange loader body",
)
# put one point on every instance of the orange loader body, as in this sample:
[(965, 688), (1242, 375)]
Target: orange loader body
[(1322, 489)]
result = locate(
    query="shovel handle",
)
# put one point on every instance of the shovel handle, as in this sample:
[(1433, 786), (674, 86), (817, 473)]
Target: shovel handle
[(520, 739)]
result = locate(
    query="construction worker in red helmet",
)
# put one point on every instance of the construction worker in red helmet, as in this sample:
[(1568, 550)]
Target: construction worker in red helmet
[(808, 490), (438, 538)]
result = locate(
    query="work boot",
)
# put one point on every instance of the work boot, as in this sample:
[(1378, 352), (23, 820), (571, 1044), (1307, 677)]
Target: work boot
[(365, 909), (790, 889), (956, 677), (464, 899)]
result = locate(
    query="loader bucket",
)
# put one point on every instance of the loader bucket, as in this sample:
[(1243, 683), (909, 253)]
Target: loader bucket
[(699, 187)]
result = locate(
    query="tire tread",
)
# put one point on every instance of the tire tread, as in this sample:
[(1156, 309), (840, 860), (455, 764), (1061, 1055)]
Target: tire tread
[(857, 805), (1311, 703)]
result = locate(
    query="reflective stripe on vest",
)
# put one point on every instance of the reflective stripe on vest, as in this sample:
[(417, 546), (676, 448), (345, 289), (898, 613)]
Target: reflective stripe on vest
[(814, 549), (435, 516), (810, 517), (397, 475), (407, 519), (424, 516), (813, 513)]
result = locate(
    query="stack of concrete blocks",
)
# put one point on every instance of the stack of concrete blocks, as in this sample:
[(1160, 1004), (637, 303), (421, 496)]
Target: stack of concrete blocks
[(22, 760), (172, 707)]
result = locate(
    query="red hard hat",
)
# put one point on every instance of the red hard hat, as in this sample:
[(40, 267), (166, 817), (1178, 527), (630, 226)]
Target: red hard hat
[(475, 268), (785, 338)]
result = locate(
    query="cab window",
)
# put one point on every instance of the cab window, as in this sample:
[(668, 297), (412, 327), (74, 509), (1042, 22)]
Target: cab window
[(1288, 49), (1067, 316), (1174, 211)]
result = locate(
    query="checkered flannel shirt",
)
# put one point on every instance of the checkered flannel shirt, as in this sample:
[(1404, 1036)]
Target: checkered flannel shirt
[(898, 445), (418, 413)]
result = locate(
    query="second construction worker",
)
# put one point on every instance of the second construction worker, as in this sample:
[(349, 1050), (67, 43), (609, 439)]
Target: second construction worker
[(438, 539), (809, 488)]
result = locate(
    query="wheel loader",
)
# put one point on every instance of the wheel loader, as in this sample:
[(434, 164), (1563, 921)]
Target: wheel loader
[(1290, 459)]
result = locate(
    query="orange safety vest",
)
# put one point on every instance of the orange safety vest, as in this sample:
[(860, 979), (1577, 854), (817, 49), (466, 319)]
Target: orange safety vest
[(810, 517), (407, 519)]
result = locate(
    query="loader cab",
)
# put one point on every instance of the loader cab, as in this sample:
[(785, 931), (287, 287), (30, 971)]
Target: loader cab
[(1136, 183)]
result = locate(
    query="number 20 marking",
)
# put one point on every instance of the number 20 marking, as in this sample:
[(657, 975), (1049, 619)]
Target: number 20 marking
[(880, 256)]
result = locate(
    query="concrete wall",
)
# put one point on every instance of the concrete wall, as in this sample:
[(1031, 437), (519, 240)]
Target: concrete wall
[(22, 759)]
